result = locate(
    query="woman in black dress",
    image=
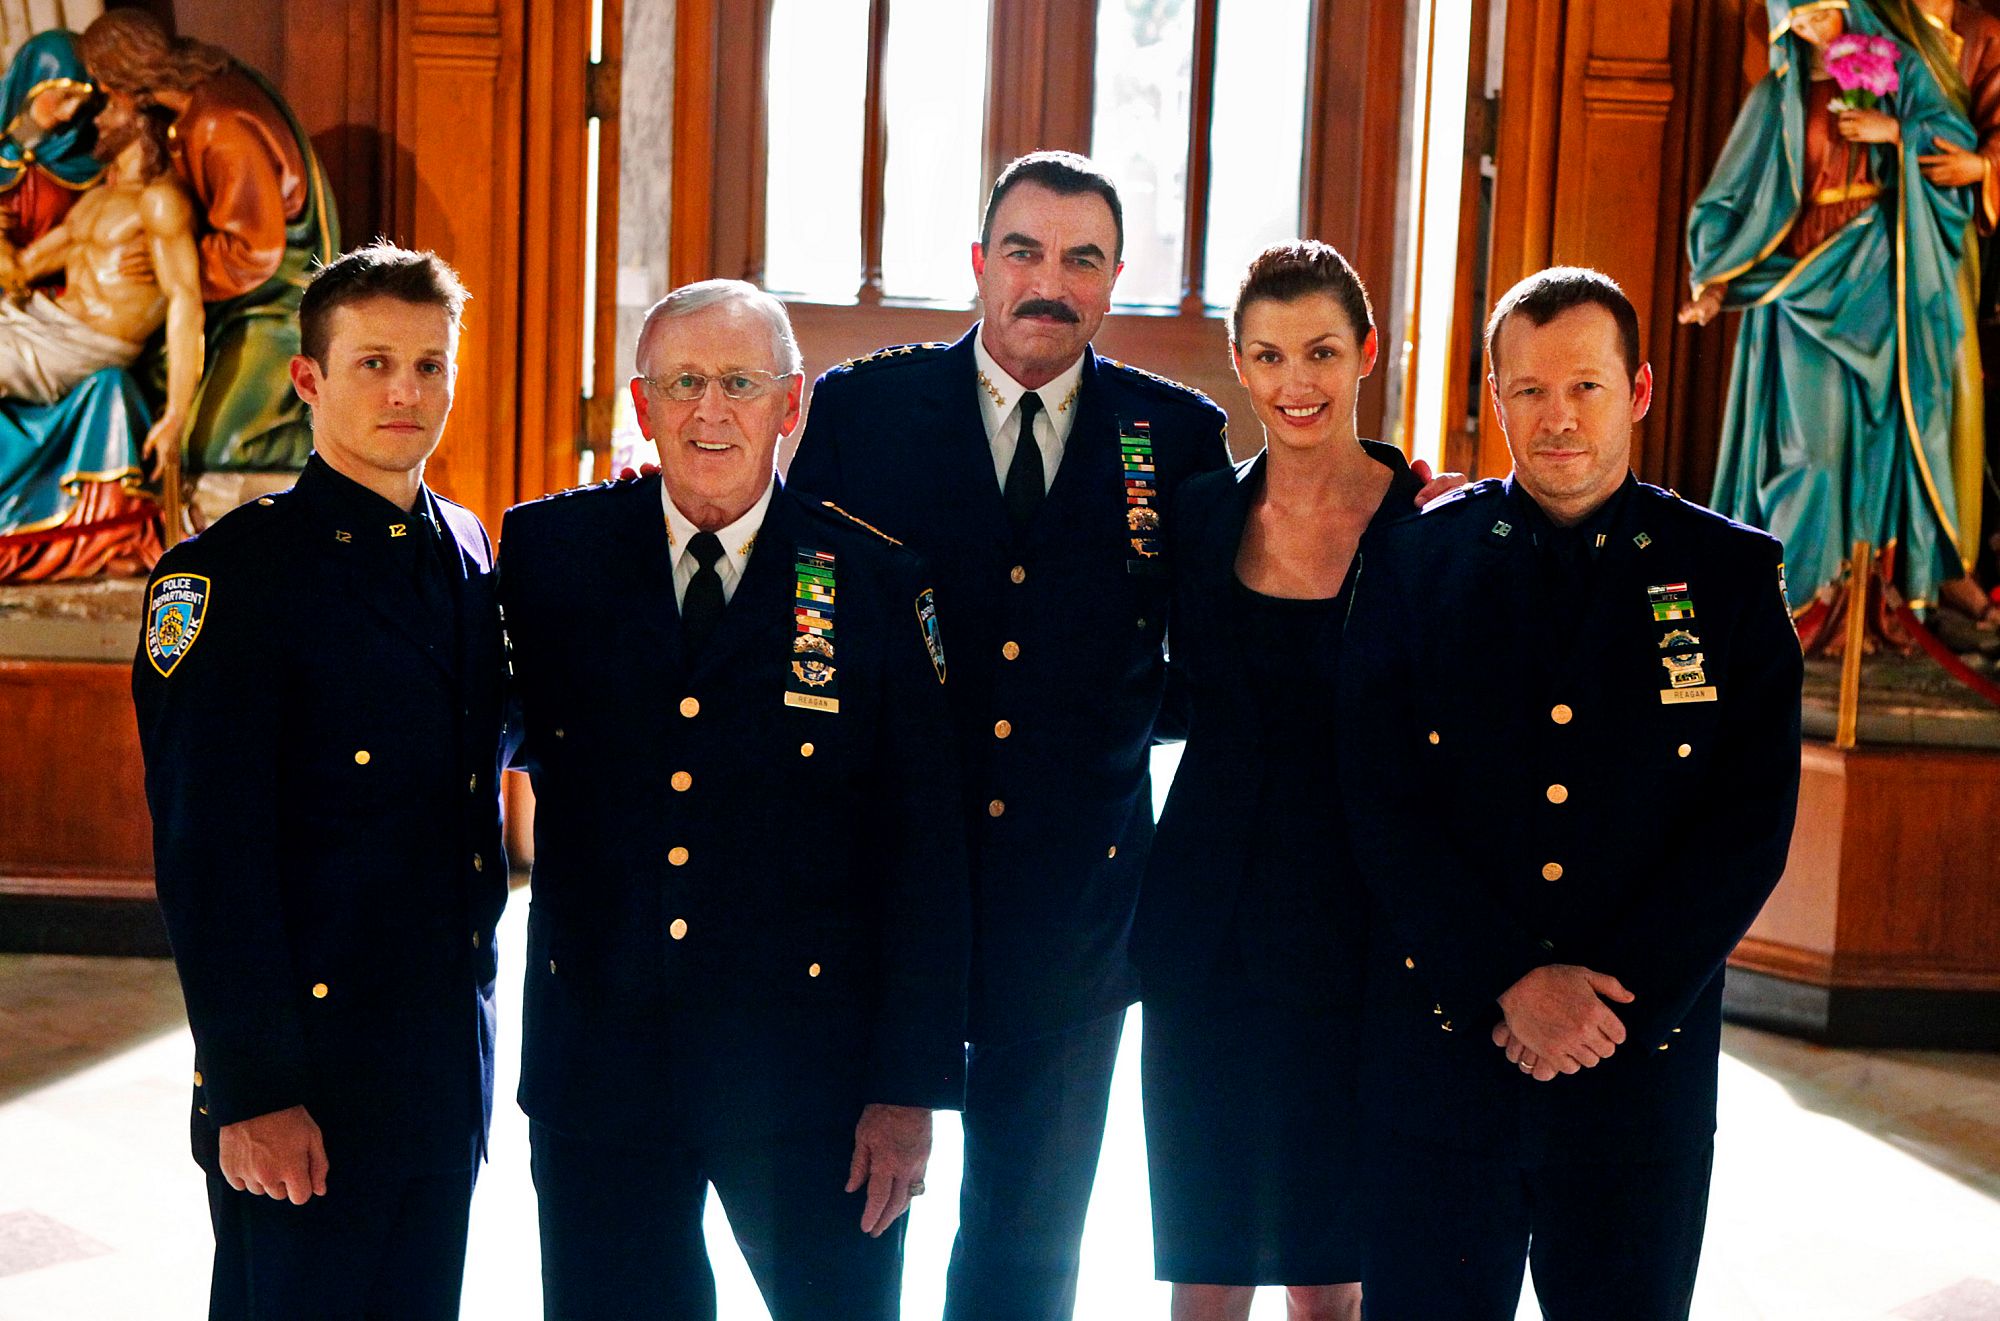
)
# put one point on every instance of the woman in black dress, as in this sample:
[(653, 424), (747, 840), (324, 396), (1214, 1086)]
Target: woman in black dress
[(1250, 925)]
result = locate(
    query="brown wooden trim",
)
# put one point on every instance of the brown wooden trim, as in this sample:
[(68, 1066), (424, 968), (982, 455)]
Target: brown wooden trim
[(874, 154), (697, 33), (1860, 970), (1201, 120), (1051, 49), (1464, 349), (78, 883), (600, 411), (1354, 110), (1781, 960)]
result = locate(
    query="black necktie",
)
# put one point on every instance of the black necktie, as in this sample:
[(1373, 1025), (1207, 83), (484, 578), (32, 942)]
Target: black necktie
[(1024, 489), (701, 607)]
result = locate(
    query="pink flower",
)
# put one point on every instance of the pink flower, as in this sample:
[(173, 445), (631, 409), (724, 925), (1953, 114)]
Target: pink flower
[(1860, 63)]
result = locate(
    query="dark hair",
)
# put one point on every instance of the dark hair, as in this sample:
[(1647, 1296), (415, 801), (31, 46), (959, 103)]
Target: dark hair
[(1546, 295), (380, 270), (1062, 172), (1284, 272), (128, 50)]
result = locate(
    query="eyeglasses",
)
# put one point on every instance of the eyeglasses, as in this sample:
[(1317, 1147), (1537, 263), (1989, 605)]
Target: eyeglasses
[(743, 383)]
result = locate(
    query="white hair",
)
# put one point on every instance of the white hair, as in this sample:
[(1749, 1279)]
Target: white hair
[(692, 298)]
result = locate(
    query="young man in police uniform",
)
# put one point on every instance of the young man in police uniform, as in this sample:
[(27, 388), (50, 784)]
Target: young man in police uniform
[(1603, 689), (1037, 479), (747, 951), (319, 699)]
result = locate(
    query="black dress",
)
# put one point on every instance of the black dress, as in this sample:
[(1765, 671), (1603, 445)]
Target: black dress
[(1252, 931)]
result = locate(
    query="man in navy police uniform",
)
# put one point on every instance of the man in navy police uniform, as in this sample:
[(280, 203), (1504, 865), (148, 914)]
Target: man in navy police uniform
[(319, 699), (1049, 564), (747, 949), (1603, 688)]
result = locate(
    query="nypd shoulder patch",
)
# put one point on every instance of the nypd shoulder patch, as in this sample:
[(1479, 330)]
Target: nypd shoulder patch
[(175, 610), (927, 619)]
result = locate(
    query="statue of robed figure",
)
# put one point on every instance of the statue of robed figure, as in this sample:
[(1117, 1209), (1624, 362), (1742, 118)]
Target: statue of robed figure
[(1853, 394)]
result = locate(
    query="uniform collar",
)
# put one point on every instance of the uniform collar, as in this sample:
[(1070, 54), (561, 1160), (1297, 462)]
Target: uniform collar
[(737, 538), (999, 392), (1595, 527), (356, 510)]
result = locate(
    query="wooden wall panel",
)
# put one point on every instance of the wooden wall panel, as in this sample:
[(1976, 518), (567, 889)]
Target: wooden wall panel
[(457, 189), (75, 813)]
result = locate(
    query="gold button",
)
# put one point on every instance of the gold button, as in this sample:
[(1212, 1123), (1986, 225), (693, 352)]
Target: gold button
[(813, 971), (1552, 871), (475, 940), (1663, 1045), (679, 929), (682, 782), (559, 732), (1446, 1025), (472, 785), (1409, 963), (197, 1077), (1561, 714), (267, 500), (478, 863), (1558, 794), (1433, 736), (1438, 1010), (1142, 623), (1011, 650), (677, 856), (1002, 728), (319, 990), (552, 967), (1683, 750), (203, 1108), (362, 758), (690, 708), (995, 808), (805, 749), (1111, 852), (1018, 574)]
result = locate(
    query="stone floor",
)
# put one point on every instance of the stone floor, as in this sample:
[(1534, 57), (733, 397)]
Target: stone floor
[(1850, 1186)]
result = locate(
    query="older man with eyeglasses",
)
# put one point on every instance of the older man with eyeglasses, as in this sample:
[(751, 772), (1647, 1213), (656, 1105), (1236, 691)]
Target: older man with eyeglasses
[(748, 941)]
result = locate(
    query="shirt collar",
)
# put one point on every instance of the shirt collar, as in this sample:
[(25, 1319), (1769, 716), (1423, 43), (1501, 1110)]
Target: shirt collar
[(999, 392), (736, 539)]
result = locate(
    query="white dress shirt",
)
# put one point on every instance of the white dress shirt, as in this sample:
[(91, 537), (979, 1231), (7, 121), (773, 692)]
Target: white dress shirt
[(737, 539), (999, 406)]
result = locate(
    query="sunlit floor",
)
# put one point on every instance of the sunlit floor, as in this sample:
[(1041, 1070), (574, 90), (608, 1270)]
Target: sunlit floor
[(1849, 1185)]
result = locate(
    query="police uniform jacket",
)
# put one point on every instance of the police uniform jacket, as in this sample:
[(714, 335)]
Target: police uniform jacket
[(323, 741), (749, 913), (1607, 781), (1190, 909), (1057, 671)]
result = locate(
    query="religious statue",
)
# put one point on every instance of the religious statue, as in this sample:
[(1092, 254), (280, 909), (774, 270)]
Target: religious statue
[(265, 216), (1853, 400), (46, 158)]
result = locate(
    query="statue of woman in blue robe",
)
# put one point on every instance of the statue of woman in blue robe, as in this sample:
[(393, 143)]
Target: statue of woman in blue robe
[(46, 136), (1847, 382)]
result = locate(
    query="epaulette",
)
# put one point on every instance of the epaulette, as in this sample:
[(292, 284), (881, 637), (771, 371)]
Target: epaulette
[(608, 484), (894, 353), (865, 525), (1144, 376), (1478, 490)]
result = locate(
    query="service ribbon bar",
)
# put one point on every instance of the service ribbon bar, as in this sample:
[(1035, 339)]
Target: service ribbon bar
[(1142, 508), (812, 681)]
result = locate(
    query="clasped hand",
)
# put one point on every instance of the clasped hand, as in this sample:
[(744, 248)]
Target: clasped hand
[(1556, 1020)]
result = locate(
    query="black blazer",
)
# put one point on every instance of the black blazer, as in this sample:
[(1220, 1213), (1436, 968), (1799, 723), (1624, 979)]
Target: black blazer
[(1057, 671), (323, 765), (749, 916), (1515, 802), (1189, 908)]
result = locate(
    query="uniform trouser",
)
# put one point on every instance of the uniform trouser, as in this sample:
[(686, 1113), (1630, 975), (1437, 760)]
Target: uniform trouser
[(392, 1248), (1034, 1124), (1613, 1239), (622, 1228)]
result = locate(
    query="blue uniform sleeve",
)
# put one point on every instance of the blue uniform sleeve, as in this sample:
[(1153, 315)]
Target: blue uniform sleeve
[(1211, 452), (816, 465), (1461, 940), (917, 1057), (210, 725), (1672, 943)]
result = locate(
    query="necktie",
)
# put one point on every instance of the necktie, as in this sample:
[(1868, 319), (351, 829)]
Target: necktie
[(701, 607), (1024, 489)]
